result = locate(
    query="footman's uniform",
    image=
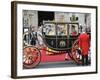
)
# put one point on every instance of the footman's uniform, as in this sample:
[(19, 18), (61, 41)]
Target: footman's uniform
[(84, 44)]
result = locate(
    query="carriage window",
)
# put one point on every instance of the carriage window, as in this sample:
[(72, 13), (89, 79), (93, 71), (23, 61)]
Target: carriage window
[(49, 29), (61, 29), (73, 29)]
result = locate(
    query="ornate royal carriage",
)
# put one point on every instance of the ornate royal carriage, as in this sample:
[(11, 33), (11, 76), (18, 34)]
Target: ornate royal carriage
[(58, 36)]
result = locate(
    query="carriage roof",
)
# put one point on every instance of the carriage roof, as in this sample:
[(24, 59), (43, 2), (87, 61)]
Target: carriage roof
[(59, 22)]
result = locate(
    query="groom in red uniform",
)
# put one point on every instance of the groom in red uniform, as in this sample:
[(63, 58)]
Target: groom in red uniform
[(84, 44)]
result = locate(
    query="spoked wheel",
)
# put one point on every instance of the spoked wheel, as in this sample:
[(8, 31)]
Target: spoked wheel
[(76, 53), (31, 57)]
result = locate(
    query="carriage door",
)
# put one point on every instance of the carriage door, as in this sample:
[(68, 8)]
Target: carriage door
[(50, 35), (61, 31)]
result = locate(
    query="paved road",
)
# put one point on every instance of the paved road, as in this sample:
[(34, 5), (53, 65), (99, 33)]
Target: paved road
[(57, 64)]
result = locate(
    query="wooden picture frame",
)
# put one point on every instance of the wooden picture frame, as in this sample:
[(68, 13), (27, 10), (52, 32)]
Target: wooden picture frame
[(17, 32)]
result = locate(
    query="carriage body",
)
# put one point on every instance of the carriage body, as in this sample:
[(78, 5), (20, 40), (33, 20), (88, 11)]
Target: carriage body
[(59, 36)]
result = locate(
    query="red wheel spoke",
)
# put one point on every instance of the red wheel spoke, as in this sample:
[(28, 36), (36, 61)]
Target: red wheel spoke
[(31, 57), (74, 53)]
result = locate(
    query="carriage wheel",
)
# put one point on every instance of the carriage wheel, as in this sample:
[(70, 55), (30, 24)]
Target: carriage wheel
[(75, 55), (31, 57)]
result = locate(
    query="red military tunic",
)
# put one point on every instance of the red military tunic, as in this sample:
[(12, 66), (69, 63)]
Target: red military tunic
[(84, 43)]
